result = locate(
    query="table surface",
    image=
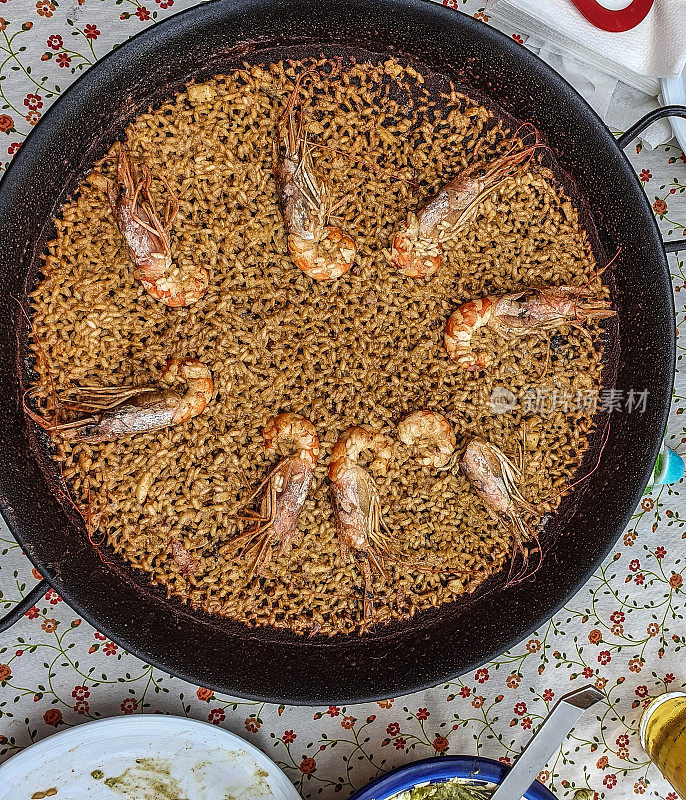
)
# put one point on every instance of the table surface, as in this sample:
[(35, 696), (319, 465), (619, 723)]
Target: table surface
[(624, 631)]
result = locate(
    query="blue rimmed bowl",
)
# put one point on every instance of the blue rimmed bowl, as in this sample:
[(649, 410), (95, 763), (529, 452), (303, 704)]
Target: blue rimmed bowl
[(437, 770)]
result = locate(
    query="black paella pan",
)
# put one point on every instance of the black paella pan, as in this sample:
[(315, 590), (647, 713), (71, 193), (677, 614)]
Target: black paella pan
[(401, 657)]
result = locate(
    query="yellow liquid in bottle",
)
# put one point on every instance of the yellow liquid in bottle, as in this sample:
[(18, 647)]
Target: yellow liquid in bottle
[(663, 736)]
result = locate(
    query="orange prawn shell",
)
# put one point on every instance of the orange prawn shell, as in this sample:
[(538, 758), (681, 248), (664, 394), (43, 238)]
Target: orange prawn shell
[(404, 259), (298, 431), (300, 251), (461, 325), (200, 385)]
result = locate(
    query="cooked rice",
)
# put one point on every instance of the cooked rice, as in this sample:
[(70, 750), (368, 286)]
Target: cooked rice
[(364, 349)]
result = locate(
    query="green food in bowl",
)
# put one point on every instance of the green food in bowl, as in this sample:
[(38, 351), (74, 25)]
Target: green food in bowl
[(455, 789)]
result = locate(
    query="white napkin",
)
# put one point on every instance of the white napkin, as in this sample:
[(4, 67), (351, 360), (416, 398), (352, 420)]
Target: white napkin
[(602, 69), (656, 48)]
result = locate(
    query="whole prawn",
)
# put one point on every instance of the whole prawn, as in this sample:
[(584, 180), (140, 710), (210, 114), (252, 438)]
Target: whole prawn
[(147, 237), (323, 252), (284, 490), (116, 412), (537, 309), (416, 249), (357, 506), (494, 478), (430, 435)]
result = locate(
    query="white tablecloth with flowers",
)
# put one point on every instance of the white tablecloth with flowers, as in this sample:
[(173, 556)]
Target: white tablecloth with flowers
[(624, 631)]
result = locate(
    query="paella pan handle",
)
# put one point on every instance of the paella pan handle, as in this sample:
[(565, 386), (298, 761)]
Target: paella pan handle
[(638, 128), (18, 611)]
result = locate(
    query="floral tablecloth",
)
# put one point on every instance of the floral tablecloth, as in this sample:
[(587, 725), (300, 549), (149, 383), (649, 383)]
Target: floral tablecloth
[(624, 631)]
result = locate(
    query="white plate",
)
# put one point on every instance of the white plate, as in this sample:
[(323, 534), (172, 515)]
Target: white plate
[(674, 92), (144, 757)]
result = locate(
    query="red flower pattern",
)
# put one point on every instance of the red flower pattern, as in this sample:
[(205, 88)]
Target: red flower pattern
[(81, 707), (216, 716), (481, 675), (33, 102), (52, 717), (129, 705), (308, 766)]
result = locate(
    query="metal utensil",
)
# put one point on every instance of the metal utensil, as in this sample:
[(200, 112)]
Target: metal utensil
[(545, 741)]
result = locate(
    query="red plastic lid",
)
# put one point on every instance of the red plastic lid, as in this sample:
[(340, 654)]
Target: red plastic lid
[(614, 21)]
